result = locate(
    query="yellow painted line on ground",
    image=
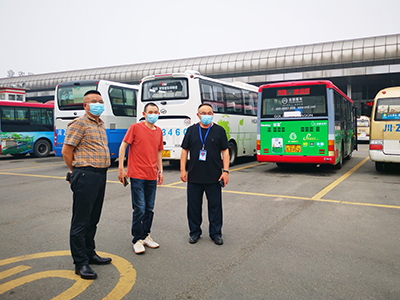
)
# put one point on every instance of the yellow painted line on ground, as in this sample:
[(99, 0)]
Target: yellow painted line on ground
[(13, 271), (125, 283), (172, 184), (249, 166), (36, 167), (316, 198), (31, 175), (337, 181), (77, 288), (232, 170)]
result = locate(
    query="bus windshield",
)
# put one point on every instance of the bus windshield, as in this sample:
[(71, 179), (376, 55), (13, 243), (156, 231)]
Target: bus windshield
[(387, 109), (70, 97), (305, 101), (165, 89)]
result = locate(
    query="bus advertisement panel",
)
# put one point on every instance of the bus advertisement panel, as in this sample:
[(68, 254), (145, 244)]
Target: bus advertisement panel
[(119, 109), (178, 96), (26, 127), (384, 145), (305, 122)]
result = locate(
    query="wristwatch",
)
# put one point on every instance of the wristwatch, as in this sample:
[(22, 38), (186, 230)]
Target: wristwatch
[(227, 171)]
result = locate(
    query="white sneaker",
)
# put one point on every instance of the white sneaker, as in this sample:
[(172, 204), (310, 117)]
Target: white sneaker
[(148, 241), (138, 247)]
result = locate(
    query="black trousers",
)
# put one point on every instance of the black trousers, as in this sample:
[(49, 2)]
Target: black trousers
[(195, 193), (88, 185)]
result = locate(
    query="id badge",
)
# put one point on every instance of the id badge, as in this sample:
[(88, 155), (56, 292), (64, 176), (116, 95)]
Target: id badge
[(203, 155)]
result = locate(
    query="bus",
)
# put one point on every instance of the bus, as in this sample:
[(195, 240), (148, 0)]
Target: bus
[(26, 127), (119, 109), (363, 128), (384, 144), (178, 96), (309, 122)]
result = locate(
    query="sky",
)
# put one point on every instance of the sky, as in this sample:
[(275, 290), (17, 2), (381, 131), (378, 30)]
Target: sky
[(44, 36)]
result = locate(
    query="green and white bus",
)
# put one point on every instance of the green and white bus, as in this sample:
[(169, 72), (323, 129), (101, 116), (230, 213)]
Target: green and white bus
[(305, 122), (178, 96)]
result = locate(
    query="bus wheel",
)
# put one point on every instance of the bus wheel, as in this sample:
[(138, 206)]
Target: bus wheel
[(112, 160), (379, 166), (42, 148), (232, 153)]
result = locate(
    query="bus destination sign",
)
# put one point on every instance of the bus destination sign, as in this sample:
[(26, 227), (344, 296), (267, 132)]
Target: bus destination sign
[(294, 92)]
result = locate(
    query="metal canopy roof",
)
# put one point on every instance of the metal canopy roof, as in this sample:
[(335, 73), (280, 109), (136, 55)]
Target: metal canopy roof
[(372, 51)]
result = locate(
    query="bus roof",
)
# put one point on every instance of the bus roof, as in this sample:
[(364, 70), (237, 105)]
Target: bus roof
[(25, 104), (388, 92), (328, 84)]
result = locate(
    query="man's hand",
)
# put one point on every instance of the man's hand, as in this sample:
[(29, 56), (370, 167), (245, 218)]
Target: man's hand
[(121, 175), (160, 178), (225, 177), (184, 176)]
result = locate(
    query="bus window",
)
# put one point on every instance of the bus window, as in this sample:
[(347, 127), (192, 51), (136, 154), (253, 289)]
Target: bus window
[(70, 97), (164, 89), (234, 101), (123, 101)]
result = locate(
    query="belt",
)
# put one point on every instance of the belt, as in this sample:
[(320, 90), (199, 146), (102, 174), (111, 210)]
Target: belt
[(93, 169)]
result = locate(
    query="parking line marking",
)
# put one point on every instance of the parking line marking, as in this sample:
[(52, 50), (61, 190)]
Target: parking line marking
[(13, 271), (317, 197), (31, 175), (245, 167), (330, 187), (33, 167), (232, 170), (127, 275), (77, 288)]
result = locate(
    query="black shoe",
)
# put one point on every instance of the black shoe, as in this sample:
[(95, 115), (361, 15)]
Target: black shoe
[(97, 260), (85, 272), (217, 240), (194, 239)]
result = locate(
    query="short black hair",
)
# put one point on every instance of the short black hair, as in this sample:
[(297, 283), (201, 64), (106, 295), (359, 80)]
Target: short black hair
[(92, 92), (150, 104), (205, 104)]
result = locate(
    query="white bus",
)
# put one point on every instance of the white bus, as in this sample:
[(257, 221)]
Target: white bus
[(120, 102), (178, 96)]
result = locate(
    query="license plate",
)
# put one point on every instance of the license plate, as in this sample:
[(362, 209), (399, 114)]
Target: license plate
[(166, 153), (293, 148)]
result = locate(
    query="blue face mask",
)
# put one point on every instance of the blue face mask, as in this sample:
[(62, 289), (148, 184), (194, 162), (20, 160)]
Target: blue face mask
[(152, 118), (206, 119), (96, 109)]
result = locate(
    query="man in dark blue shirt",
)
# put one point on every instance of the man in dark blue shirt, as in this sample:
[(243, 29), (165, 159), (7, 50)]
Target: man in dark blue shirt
[(206, 173)]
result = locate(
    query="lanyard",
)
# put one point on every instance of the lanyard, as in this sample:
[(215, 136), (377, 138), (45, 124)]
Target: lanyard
[(201, 138)]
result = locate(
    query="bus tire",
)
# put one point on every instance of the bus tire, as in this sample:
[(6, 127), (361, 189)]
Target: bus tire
[(232, 153), (112, 160), (42, 148), (379, 166)]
